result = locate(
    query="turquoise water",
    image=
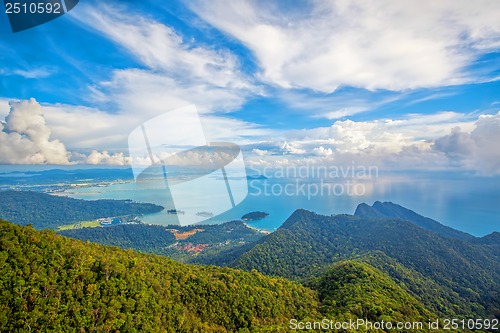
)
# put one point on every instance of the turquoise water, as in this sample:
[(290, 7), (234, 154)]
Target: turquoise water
[(470, 204)]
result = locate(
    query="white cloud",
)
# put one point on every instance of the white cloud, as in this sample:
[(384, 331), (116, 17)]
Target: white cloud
[(25, 137), (173, 73), (455, 144), (154, 93), (321, 151), (4, 107), (34, 73), (160, 48), (339, 104), (259, 152), (388, 144), (104, 157), (394, 45), (291, 148), (87, 128), (177, 73), (31, 135), (476, 150), (393, 144)]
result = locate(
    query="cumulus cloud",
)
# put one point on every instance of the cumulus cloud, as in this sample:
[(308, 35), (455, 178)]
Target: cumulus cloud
[(394, 45), (410, 143), (259, 152), (25, 137), (104, 157), (476, 150), (322, 151), (455, 144)]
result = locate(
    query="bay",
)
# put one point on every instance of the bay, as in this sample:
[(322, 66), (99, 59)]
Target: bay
[(469, 204)]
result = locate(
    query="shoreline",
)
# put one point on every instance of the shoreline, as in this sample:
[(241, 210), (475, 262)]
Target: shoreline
[(262, 231)]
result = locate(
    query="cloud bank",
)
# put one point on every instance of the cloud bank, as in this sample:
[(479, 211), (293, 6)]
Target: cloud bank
[(411, 143), (479, 149), (451, 141)]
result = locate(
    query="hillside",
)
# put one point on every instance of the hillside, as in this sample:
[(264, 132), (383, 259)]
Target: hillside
[(190, 243), (48, 211), (467, 275), (392, 210), (450, 276), (50, 283), (362, 291)]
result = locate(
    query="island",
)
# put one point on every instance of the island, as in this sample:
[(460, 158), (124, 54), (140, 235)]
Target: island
[(253, 216)]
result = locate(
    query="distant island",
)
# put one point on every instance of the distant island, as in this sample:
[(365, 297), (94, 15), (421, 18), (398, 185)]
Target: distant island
[(253, 216)]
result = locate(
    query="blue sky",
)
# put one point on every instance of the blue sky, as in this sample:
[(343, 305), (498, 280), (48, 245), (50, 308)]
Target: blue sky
[(403, 85)]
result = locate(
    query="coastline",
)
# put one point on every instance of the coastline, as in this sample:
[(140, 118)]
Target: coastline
[(262, 231)]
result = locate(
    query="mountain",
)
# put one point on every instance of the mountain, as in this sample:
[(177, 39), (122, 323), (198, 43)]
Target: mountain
[(467, 275), (139, 237), (392, 210), (50, 283), (49, 211), (362, 291), (491, 239), (190, 243)]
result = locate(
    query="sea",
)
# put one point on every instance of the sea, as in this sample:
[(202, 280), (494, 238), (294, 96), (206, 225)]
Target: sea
[(465, 202)]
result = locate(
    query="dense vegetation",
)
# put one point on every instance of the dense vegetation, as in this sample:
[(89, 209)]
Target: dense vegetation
[(466, 275), (392, 210), (450, 276), (48, 211), (139, 237), (351, 290), (385, 263), (49, 283), (254, 216), (160, 239)]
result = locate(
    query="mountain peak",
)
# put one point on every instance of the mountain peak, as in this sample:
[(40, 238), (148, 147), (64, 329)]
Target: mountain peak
[(391, 210), (490, 239), (298, 215), (365, 210)]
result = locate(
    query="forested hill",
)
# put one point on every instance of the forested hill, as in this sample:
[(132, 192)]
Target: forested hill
[(491, 239), (51, 283), (176, 242), (48, 211), (392, 210), (467, 275), (367, 293)]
